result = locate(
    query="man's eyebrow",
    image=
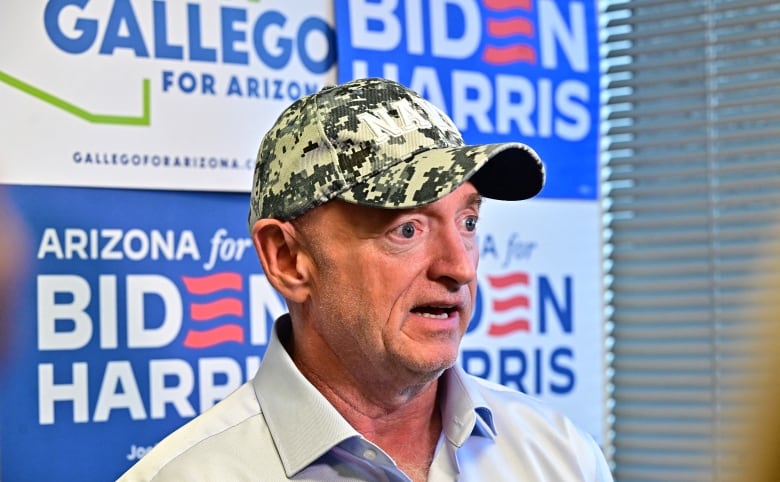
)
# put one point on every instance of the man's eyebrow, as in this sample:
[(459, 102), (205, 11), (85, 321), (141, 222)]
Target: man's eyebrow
[(474, 200)]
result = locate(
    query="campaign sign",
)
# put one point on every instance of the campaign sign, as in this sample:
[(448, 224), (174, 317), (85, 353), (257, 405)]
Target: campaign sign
[(504, 70), (514, 70), (536, 325), (164, 94), (143, 308)]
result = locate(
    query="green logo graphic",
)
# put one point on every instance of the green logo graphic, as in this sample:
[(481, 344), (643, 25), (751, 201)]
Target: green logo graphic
[(143, 120)]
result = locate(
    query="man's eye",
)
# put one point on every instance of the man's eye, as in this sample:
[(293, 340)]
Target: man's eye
[(471, 223), (408, 230)]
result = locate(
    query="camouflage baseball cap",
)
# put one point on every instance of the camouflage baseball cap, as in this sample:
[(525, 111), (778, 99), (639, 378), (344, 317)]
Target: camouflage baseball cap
[(376, 143)]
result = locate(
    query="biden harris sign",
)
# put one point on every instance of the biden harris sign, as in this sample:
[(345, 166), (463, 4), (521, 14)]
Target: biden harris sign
[(139, 314), (514, 70), (502, 69)]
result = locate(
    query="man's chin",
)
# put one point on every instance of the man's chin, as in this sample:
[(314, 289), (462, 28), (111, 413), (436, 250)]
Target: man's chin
[(429, 369)]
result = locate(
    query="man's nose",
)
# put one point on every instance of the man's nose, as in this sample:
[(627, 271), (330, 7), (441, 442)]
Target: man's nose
[(454, 258)]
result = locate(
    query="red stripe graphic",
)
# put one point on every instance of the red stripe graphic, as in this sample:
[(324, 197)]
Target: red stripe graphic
[(212, 283), (509, 55), (509, 279), (501, 329), (510, 27), (211, 310), (214, 336), (510, 303), (507, 4), (215, 309)]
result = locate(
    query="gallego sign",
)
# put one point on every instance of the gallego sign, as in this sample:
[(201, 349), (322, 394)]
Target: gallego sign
[(152, 94)]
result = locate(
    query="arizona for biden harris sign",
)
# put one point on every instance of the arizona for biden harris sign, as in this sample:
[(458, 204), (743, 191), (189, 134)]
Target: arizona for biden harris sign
[(130, 325)]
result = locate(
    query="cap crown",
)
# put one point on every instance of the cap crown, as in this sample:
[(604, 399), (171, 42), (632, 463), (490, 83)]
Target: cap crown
[(326, 143)]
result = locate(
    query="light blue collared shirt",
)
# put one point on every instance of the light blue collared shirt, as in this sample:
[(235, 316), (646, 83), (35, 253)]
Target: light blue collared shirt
[(278, 427)]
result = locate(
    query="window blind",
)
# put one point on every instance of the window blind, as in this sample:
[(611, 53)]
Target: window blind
[(691, 170)]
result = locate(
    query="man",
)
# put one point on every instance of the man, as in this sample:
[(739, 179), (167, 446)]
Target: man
[(363, 213)]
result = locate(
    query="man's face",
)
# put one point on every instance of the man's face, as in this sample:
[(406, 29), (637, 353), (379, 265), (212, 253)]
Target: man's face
[(392, 290)]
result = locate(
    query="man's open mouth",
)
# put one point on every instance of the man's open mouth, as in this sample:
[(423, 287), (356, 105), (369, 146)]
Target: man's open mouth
[(436, 312)]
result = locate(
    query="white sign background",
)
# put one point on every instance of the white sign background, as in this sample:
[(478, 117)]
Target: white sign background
[(555, 240), (193, 113)]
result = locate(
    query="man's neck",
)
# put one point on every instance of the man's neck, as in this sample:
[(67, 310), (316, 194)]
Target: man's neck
[(408, 432), (405, 421)]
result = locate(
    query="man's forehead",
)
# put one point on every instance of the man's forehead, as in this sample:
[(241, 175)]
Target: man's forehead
[(470, 198)]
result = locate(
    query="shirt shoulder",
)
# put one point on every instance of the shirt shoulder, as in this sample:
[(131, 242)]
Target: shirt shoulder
[(526, 424), (233, 428), (502, 396)]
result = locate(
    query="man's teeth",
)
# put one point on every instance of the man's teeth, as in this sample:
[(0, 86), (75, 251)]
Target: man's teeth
[(438, 316)]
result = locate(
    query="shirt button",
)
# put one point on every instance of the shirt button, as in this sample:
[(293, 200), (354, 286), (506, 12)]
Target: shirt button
[(369, 454)]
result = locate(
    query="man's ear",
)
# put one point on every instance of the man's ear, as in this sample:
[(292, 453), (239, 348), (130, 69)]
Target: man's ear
[(280, 255)]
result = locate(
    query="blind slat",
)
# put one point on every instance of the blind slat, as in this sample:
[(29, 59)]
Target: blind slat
[(691, 160)]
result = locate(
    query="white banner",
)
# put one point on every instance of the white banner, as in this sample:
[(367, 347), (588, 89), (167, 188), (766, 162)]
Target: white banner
[(537, 325), (152, 94)]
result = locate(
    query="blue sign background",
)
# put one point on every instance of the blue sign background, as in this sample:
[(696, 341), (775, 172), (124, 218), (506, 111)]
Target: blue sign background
[(65, 450), (510, 46)]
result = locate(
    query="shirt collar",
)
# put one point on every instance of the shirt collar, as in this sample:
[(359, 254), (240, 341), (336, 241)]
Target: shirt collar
[(464, 411), (302, 423)]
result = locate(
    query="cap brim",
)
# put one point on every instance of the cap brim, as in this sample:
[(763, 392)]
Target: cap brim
[(508, 171)]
